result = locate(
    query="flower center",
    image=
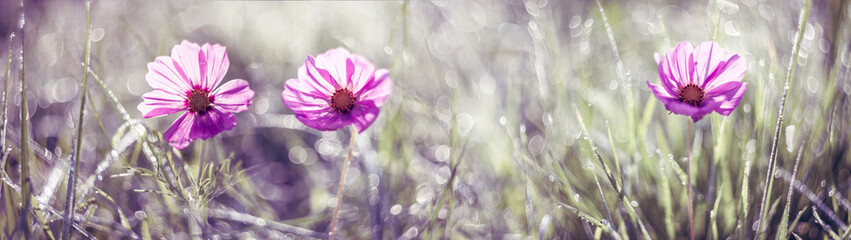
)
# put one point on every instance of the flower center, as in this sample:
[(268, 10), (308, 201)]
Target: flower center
[(198, 101), (343, 100), (691, 94)]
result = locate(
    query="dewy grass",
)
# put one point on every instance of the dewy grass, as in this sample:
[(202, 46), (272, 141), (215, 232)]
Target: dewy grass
[(25, 181), (75, 161), (793, 63)]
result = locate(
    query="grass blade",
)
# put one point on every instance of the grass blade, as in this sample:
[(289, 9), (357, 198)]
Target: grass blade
[(766, 194), (784, 220), (72, 169), (26, 184)]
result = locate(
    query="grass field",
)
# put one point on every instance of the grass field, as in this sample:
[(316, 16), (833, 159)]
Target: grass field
[(508, 119)]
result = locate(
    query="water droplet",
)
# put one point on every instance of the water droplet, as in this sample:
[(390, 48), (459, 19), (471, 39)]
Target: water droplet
[(97, 34), (790, 138), (576, 197), (441, 153), (261, 222), (396, 209), (809, 32), (751, 147), (502, 120), (634, 204), (823, 183), (731, 29), (388, 50), (728, 7), (139, 215), (442, 175), (536, 145), (465, 123)]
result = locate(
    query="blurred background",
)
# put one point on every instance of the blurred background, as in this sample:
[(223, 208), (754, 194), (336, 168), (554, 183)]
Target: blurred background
[(479, 140)]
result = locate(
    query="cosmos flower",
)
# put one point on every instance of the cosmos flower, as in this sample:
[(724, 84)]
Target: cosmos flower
[(188, 81), (335, 89), (697, 81)]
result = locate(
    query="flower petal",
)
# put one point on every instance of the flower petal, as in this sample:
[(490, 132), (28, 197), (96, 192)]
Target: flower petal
[(163, 75), (363, 115), (324, 121), (670, 84), (661, 93), (679, 64), (731, 70), (363, 71), (217, 65), (233, 96), (336, 61), (178, 134), (696, 113), (186, 58), (157, 103), (301, 98), (728, 96), (707, 56), (212, 122), (319, 76), (377, 88)]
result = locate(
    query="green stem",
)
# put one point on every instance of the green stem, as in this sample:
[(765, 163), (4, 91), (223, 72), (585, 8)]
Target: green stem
[(332, 228), (688, 181)]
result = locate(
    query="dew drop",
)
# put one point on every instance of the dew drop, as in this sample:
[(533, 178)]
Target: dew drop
[(396, 209), (97, 35), (731, 29)]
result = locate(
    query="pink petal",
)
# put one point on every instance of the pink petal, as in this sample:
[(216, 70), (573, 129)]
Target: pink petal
[(696, 113), (324, 121), (707, 56), (336, 62), (363, 73), (658, 57), (661, 93), (731, 70), (186, 58), (217, 65), (670, 84), (301, 98), (163, 75), (157, 103), (728, 95), (377, 88), (363, 115), (178, 134), (678, 62), (212, 122), (233, 96), (319, 76)]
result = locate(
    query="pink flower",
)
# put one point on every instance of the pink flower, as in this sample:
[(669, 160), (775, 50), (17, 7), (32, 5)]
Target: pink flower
[(697, 81), (336, 89), (189, 81)]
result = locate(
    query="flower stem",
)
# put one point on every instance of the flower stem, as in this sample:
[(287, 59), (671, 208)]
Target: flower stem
[(688, 181), (333, 227)]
